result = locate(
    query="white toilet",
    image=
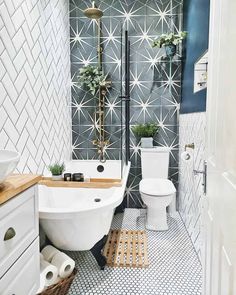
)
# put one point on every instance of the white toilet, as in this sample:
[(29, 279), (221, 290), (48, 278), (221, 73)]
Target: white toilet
[(157, 192)]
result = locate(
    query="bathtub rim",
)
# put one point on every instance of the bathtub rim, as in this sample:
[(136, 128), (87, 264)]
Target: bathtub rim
[(68, 213), (63, 213)]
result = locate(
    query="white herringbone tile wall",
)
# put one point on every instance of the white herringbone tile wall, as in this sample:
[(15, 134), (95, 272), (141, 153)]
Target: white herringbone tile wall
[(35, 81), (192, 130)]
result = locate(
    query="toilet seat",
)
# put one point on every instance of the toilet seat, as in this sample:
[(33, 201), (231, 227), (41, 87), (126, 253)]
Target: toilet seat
[(157, 187)]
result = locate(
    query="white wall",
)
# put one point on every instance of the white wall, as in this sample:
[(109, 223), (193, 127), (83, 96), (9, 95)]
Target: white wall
[(192, 130), (35, 81)]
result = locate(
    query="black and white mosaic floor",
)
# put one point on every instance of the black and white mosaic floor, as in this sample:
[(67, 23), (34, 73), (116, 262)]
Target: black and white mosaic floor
[(174, 266)]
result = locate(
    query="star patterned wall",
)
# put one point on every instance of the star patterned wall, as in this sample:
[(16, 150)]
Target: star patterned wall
[(155, 79)]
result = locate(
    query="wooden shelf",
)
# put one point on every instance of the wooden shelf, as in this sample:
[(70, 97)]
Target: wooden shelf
[(94, 183)]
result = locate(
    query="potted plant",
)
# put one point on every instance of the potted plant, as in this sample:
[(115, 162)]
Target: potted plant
[(57, 170), (169, 41), (93, 79), (146, 132)]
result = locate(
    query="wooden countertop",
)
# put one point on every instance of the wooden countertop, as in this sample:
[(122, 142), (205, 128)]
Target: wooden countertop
[(15, 184)]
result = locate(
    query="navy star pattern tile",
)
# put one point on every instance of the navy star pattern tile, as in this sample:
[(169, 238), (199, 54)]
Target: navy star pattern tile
[(155, 80)]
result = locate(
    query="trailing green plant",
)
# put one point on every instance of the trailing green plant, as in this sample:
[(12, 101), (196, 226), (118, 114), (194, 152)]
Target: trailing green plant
[(145, 130), (169, 39), (92, 78), (56, 169)]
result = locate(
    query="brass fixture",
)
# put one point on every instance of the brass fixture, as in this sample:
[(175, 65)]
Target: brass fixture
[(99, 116), (93, 12), (190, 146), (101, 146)]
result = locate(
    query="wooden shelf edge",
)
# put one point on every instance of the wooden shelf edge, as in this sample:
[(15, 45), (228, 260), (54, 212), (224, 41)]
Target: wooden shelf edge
[(72, 184)]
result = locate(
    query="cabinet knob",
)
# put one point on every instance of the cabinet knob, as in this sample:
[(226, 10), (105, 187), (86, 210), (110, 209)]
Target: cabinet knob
[(10, 233)]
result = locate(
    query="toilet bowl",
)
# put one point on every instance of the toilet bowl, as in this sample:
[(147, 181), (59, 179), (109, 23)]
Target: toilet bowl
[(157, 194)]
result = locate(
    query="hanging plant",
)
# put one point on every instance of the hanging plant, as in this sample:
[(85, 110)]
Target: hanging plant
[(169, 41), (92, 78)]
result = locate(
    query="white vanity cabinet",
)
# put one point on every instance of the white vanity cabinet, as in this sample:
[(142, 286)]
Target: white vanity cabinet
[(19, 244)]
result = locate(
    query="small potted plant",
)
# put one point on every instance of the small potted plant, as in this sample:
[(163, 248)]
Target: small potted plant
[(169, 41), (146, 132), (57, 170)]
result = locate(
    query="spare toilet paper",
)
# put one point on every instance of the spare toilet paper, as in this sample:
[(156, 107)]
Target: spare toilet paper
[(64, 264), (54, 266), (48, 273), (49, 252)]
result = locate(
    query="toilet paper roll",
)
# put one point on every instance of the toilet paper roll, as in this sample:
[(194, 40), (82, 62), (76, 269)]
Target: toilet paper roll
[(49, 272), (48, 252), (186, 156), (64, 264)]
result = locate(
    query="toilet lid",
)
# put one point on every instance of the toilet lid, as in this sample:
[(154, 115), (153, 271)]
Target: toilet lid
[(157, 187)]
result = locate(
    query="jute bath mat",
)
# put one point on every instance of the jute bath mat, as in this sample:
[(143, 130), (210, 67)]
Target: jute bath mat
[(126, 248)]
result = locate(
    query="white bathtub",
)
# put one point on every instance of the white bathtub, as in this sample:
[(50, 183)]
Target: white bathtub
[(73, 219)]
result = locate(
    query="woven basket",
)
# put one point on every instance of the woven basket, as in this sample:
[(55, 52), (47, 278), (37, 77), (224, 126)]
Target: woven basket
[(60, 288)]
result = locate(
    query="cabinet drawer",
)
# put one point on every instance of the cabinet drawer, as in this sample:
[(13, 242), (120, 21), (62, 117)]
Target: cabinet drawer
[(23, 277), (18, 217)]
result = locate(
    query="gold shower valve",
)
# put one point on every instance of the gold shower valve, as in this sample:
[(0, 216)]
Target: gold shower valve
[(101, 143), (106, 142)]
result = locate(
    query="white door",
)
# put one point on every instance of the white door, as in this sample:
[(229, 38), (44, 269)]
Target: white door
[(220, 217)]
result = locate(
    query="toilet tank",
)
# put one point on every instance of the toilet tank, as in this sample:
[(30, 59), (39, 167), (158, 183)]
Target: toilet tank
[(155, 162)]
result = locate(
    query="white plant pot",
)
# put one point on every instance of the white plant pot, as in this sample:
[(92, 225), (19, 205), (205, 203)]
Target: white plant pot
[(146, 142), (57, 177)]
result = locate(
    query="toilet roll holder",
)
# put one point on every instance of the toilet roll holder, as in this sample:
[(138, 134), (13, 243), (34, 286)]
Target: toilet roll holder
[(189, 146)]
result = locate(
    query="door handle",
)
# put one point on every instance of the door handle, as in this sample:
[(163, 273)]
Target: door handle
[(204, 173), (10, 234)]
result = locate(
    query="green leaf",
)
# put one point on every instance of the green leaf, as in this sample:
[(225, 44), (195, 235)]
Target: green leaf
[(168, 39), (91, 77), (145, 130), (56, 169)]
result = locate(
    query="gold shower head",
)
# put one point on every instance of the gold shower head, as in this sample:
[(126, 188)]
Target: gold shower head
[(93, 12)]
